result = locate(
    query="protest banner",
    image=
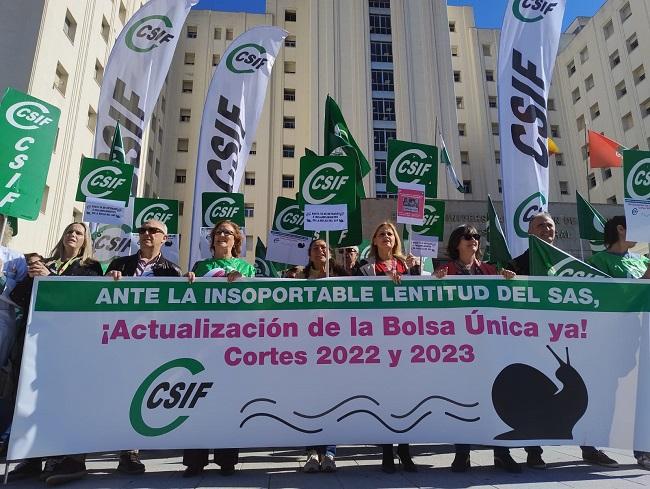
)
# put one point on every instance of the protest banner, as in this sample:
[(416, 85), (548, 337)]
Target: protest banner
[(167, 364), (546, 259), (28, 127), (412, 163), (636, 178), (410, 203)]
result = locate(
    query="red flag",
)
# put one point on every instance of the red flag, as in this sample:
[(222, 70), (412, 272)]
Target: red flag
[(604, 152)]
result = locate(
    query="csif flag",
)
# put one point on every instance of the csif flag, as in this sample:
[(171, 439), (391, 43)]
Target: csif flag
[(498, 247), (528, 47), (263, 267), (604, 152), (547, 260), (117, 146), (591, 223), (451, 173)]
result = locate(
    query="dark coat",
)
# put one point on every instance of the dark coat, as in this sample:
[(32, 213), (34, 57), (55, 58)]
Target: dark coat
[(128, 265)]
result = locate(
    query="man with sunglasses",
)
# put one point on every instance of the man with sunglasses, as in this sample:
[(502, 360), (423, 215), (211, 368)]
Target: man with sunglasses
[(147, 262), (350, 259)]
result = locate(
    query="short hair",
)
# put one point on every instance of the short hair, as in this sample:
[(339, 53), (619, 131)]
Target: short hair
[(540, 214), (610, 235), (236, 247), (162, 226), (397, 247), (455, 237), (85, 253)]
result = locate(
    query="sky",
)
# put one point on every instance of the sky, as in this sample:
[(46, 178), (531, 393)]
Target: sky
[(487, 13)]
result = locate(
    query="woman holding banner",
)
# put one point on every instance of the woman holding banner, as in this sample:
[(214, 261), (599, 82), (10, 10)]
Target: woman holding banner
[(386, 258), (463, 248), (225, 244)]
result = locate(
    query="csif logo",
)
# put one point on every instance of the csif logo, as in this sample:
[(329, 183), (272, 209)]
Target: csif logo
[(322, 184), (637, 183), (290, 219), (262, 268), (526, 211), (159, 212), (102, 181), (409, 166), (149, 33), (28, 115), (165, 395), (532, 10), (247, 58), (222, 208), (564, 268), (431, 217)]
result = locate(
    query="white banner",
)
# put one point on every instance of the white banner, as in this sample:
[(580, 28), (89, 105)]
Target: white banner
[(134, 75), (527, 51), (232, 111), (260, 363)]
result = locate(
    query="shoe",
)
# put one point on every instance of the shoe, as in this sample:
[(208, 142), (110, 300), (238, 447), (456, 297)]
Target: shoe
[(507, 463), (66, 470), (50, 466), (388, 466), (535, 461), (312, 464), (644, 460), (407, 462), (598, 457), (328, 464), (193, 471), (460, 463), (227, 470), (28, 469), (130, 463)]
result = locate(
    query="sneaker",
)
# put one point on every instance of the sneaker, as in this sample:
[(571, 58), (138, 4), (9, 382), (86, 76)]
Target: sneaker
[(227, 470), (535, 461), (507, 463), (312, 464), (598, 457), (193, 471), (328, 464), (130, 463), (461, 463), (67, 470), (644, 460), (50, 466), (27, 469)]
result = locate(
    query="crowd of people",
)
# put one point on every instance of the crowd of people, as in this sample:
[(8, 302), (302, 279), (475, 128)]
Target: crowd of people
[(73, 256)]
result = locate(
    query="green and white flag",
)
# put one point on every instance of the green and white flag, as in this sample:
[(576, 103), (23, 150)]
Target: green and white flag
[(591, 224), (263, 267), (289, 217), (163, 210), (412, 163), (547, 260), (328, 180), (117, 146), (434, 221), (217, 206), (498, 251), (451, 172), (101, 179)]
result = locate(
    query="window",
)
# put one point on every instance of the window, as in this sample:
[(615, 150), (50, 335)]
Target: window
[(229, 34), (614, 59), (584, 150), (381, 171), (499, 186), (106, 29), (181, 176), (46, 194), (188, 85), (217, 33), (383, 81), (249, 243), (69, 26), (584, 55), (289, 15), (487, 50), (555, 131), (185, 115), (464, 157), (160, 134), (571, 68), (550, 104), (381, 137), (163, 104), (380, 24), (99, 72), (625, 12), (150, 157), (289, 122), (215, 59), (182, 145), (288, 151), (606, 173), (492, 101), (628, 121), (461, 130), (594, 111), (192, 32), (591, 180), (287, 181), (289, 94), (290, 42), (452, 26), (189, 58), (611, 200), (157, 170), (249, 210), (495, 129), (383, 109), (564, 187), (147, 190), (379, 3), (61, 79), (253, 150), (575, 95), (645, 108), (632, 43), (454, 51), (457, 78), (489, 75), (638, 75), (459, 103), (249, 178), (580, 123), (559, 159), (621, 90), (92, 119), (608, 29), (497, 157), (290, 67), (381, 52), (589, 82), (467, 184)]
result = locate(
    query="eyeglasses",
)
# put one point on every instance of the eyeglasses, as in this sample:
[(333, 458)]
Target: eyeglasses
[(469, 236), (150, 231), (223, 232)]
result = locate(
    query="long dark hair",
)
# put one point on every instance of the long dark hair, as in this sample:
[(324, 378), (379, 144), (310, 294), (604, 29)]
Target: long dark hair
[(336, 270), (455, 237), (610, 234)]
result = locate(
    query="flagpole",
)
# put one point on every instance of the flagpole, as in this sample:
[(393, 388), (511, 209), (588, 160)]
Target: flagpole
[(582, 252), (2, 230), (327, 262), (587, 166)]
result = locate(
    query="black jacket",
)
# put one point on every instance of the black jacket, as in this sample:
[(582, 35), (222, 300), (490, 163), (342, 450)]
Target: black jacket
[(521, 264), (128, 265)]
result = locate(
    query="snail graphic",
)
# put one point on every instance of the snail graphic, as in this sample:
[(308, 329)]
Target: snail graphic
[(533, 406)]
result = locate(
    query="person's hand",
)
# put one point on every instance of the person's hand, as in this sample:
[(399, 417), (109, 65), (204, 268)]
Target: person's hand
[(190, 276), (116, 274), (234, 275), (394, 276), (38, 269), (508, 274), (412, 261), (646, 275), (441, 272)]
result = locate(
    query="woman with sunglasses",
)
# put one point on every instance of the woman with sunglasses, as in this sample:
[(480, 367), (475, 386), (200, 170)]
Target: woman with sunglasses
[(463, 249), (225, 244)]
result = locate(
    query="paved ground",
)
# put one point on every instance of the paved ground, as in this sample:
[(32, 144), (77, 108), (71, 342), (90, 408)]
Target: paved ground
[(359, 468)]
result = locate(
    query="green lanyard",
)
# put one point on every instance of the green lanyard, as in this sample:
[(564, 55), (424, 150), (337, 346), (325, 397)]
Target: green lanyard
[(63, 266)]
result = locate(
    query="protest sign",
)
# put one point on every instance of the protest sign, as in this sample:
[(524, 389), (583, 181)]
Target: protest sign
[(412, 163), (288, 248), (434, 220), (104, 211), (332, 217), (217, 206), (420, 245), (636, 178), (162, 210), (289, 217), (410, 204), (468, 360), (101, 179)]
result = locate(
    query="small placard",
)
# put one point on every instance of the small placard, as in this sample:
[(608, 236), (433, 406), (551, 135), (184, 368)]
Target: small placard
[(424, 245), (326, 217), (410, 204), (104, 211), (288, 248)]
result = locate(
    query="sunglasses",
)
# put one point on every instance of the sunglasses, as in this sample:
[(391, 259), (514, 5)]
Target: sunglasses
[(223, 232), (349, 250), (469, 236), (150, 231)]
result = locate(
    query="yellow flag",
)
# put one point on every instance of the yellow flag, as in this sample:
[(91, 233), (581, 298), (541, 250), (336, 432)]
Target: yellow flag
[(552, 147)]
